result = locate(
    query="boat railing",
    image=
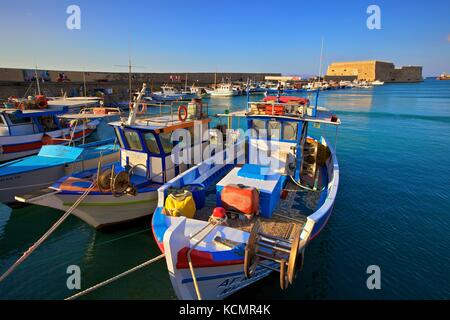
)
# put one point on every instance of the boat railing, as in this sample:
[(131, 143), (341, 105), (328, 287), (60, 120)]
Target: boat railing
[(277, 108), (146, 108)]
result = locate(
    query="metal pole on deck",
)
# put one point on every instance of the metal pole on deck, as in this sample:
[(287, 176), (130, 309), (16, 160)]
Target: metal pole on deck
[(247, 89), (37, 80)]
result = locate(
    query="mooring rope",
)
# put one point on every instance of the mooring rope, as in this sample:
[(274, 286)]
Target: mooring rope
[(30, 250), (117, 277), (82, 249)]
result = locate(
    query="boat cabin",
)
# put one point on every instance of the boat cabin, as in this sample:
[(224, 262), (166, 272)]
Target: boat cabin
[(147, 145), (168, 90), (278, 134), (15, 122)]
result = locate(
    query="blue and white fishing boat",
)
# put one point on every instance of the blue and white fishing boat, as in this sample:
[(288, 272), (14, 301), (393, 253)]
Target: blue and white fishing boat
[(284, 91), (32, 173), (252, 218), (169, 93), (23, 133), (127, 189)]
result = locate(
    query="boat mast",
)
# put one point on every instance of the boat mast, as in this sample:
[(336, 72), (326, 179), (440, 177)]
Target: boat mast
[(84, 83), (320, 63), (320, 76), (37, 80), (129, 76)]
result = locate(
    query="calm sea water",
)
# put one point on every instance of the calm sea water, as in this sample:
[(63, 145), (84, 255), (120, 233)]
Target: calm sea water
[(392, 210)]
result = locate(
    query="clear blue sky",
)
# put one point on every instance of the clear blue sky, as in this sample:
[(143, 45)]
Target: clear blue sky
[(251, 36)]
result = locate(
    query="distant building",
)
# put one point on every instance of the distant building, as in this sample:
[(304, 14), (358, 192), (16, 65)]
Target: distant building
[(373, 70)]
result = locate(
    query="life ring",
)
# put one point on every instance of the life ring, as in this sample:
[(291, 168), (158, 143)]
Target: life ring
[(141, 109), (185, 113)]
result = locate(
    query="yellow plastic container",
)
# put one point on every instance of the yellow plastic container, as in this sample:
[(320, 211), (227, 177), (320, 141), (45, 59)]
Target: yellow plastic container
[(181, 204)]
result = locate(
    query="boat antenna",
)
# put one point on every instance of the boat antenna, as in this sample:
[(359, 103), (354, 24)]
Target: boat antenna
[(134, 108), (129, 66)]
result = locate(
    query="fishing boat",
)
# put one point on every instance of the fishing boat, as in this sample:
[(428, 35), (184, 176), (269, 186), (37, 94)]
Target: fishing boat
[(32, 173), (251, 218), (169, 93), (24, 131), (200, 92), (127, 190), (443, 76), (377, 83), (224, 90)]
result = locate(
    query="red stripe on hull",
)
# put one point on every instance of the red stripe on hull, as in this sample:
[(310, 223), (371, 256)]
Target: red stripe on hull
[(38, 144), (201, 259)]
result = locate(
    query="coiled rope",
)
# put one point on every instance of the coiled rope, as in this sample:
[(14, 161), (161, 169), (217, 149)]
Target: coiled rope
[(30, 250)]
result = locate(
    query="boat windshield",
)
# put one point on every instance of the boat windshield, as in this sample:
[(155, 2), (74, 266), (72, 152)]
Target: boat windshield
[(151, 143), (133, 140), (290, 130), (258, 126), (274, 130), (166, 141), (18, 120)]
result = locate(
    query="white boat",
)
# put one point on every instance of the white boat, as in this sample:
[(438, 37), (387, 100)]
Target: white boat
[(24, 132), (126, 190), (220, 248), (377, 83), (224, 90)]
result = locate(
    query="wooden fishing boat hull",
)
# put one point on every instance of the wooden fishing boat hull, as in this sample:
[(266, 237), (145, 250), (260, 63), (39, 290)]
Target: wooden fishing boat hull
[(102, 210), (220, 272), (30, 174), (27, 182)]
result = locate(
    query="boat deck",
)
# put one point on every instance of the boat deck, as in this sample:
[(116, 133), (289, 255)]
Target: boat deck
[(289, 216)]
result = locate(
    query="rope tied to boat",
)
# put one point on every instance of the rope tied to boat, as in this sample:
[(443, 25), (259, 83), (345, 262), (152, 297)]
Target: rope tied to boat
[(117, 277), (30, 250), (214, 222)]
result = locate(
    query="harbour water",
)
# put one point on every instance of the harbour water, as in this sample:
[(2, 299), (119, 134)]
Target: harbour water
[(392, 210)]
